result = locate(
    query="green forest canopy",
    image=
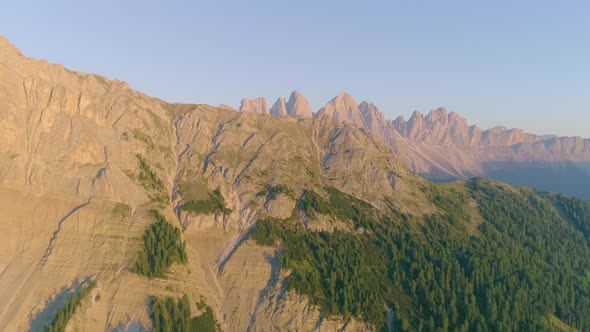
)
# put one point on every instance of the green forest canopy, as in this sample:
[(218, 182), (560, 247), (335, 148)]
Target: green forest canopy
[(65, 313), (529, 261), (215, 204), (174, 315), (162, 247)]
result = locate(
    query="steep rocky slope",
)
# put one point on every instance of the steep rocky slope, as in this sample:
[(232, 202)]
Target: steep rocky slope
[(449, 149), (279, 108), (448, 130), (299, 106), (264, 206), (85, 158), (442, 146)]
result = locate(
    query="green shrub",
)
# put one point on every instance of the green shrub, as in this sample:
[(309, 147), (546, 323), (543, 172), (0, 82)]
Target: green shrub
[(575, 210), (338, 204), (273, 191), (169, 314), (121, 210), (138, 135), (63, 316), (150, 181), (264, 233), (312, 203), (450, 201), (215, 204), (162, 247), (205, 322)]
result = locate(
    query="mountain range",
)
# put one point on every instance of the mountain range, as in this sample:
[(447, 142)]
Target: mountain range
[(124, 212), (442, 146)]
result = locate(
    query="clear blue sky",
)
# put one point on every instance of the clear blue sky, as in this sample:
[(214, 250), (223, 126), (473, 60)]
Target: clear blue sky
[(516, 63)]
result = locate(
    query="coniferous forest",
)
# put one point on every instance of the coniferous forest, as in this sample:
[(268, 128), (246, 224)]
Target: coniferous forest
[(174, 315), (162, 247), (62, 317), (526, 264), (215, 204)]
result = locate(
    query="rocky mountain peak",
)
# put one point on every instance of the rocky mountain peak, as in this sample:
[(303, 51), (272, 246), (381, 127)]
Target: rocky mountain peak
[(344, 97), (298, 105), (133, 161), (279, 108), (415, 116), (343, 108), (258, 105), (367, 106), (440, 114), (7, 48), (373, 118), (454, 115)]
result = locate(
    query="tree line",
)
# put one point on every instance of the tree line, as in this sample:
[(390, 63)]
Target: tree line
[(162, 246), (528, 262), (174, 315), (65, 313)]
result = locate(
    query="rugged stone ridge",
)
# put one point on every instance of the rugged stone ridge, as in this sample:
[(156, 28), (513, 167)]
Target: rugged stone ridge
[(299, 106), (373, 119), (6, 47), (343, 108), (442, 128), (279, 108), (76, 204), (76, 199), (442, 146), (296, 106), (257, 105), (500, 153)]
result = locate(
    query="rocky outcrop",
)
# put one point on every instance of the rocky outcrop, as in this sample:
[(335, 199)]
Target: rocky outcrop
[(442, 128), (7, 48), (279, 108), (76, 149), (442, 145), (298, 106), (373, 119), (343, 108), (257, 105), (76, 200)]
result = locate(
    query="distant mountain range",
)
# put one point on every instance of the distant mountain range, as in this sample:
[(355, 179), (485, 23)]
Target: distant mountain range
[(442, 146), (123, 212)]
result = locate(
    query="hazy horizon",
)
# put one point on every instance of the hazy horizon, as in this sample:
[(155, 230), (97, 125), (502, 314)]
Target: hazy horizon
[(515, 65)]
